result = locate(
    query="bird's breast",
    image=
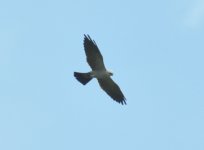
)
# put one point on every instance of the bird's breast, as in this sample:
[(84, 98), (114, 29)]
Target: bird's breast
[(99, 74)]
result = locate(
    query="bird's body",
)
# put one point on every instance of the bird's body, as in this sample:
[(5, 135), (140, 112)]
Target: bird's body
[(95, 60), (100, 74)]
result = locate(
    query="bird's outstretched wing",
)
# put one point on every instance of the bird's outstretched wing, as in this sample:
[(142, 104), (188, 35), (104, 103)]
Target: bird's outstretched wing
[(93, 55), (112, 89)]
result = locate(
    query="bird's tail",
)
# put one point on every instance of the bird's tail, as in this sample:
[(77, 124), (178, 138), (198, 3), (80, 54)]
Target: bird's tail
[(83, 78)]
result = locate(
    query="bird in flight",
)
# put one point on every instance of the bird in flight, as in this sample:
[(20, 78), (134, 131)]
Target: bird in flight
[(95, 61)]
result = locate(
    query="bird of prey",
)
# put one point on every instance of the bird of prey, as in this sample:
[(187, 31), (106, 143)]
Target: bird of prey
[(95, 61)]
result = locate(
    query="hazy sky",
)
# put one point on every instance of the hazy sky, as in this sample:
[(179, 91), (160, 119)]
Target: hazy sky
[(155, 49)]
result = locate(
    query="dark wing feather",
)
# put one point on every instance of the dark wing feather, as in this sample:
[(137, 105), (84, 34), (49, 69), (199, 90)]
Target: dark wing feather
[(112, 89), (93, 55)]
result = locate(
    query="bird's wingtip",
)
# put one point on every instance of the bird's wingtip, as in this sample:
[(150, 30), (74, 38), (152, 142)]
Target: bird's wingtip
[(123, 102), (86, 36)]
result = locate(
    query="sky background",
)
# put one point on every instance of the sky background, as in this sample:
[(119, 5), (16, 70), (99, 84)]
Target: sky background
[(155, 49)]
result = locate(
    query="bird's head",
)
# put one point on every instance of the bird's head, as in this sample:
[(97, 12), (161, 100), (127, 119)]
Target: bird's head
[(110, 73)]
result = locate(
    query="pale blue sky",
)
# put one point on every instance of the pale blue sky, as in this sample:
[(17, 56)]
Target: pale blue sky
[(155, 49)]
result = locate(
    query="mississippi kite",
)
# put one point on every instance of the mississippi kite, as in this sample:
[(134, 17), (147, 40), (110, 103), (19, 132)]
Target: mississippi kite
[(95, 61)]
